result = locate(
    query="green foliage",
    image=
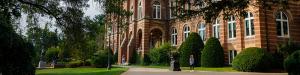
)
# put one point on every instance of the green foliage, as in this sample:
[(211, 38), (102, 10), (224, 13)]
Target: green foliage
[(193, 45), (145, 60), (288, 47), (161, 55), (100, 59), (134, 58), (212, 54), (17, 55), (52, 54), (252, 60), (291, 63), (74, 64)]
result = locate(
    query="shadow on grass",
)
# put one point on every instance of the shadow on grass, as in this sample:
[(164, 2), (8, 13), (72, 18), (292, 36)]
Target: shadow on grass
[(86, 73)]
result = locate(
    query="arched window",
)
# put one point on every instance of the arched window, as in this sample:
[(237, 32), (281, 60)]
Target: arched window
[(156, 10), (216, 28), (282, 25), (231, 27), (174, 37), (201, 30), (186, 32), (140, 15), (249, 24)]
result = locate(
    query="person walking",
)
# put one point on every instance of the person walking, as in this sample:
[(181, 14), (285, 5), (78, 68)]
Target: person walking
[(192, 62)]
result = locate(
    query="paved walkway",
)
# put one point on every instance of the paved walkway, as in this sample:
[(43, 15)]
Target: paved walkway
[(155, 71)]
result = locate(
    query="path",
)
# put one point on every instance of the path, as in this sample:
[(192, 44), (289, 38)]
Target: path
[(155, 71)]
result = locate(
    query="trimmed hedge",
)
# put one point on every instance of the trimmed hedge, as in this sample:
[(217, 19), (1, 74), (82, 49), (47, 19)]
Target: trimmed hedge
[(212, 54), (192, 46), (252, 59), (292, 63), (161, 55)]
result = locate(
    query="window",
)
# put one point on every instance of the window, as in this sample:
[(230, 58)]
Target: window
[(231, 27), (249, 24), (231, 55), (140, 10), (156, 10), (201, 30), (216, 26), (186, 32), (171, 5), (282, 25), (174, 37), (132, 16)]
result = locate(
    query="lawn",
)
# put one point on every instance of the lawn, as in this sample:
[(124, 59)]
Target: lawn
[(220, 69), (81, 71)]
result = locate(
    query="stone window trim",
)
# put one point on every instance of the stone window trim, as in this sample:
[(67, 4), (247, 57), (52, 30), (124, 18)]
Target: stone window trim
[(282, 18), (156, 12), (231, 27), (186, 31), (249, 17), (216, 28), (202, 31)]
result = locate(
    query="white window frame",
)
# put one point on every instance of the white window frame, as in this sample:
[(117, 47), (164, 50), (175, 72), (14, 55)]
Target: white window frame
[(231, 24), (174, 37), (156, 10), (170, 9), (140, 9), (201, 31), (231, 53), (249, 18), (186, 31), (216, 29), (281, 20)]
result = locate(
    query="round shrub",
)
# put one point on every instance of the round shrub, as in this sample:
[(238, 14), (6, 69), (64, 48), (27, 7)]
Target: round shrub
[(100, 59), (212, 54), (74, 64), (192, 46), (52, 54), (291, 63), (160, 55), (252, 60)]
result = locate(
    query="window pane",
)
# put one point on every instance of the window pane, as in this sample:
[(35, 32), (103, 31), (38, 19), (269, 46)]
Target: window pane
[(251, 15), (247, 27), (234, 30), (278, 26), (252, 27), (284, 16), (278, 16), (285, 28), (229, 30)]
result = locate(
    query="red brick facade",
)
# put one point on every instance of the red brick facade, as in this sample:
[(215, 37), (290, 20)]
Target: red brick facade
[(143, 32)]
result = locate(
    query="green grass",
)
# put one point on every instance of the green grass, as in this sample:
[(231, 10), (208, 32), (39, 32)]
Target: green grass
[(81, 71), (219, 69)]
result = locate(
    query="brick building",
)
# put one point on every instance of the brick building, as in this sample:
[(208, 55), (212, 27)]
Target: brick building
[(152, 21)]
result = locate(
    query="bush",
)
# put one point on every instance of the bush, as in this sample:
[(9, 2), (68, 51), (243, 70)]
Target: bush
[(145, 60), (134, 58), (17, 55), (74, 64), (52, 54), (291, 64), (212, 54), (160, 55), (252, 60), (99, 60), (192, 46)]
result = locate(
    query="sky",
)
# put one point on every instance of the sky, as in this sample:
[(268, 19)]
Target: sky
[(92, 11)]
